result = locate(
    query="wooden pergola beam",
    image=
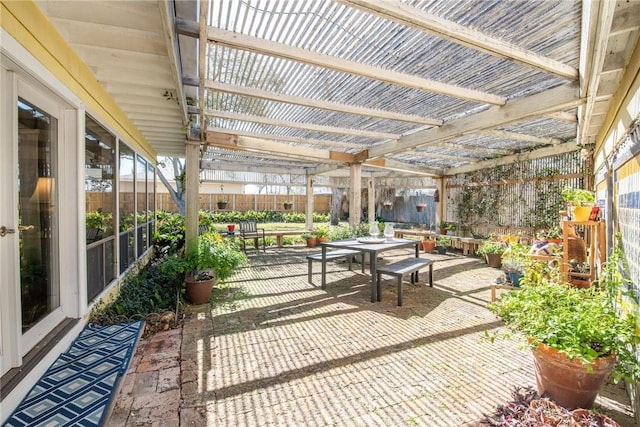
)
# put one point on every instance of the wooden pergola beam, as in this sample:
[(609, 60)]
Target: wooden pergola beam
[(298, 125), (404, 14), (236, 142), (324, 105), (558, 99), (267, 47)]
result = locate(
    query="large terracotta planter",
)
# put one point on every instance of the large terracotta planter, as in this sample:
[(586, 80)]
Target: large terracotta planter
[(569, 383), (494, 260), (311, 242), (199, 291)]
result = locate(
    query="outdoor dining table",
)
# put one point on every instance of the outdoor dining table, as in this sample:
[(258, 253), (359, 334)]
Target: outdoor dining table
[(371, 248)]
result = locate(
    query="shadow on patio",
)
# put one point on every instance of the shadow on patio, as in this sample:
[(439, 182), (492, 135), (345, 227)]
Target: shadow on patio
[(286, 353)]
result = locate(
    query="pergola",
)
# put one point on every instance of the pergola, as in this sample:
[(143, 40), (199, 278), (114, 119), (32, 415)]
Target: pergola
[(357, 88)]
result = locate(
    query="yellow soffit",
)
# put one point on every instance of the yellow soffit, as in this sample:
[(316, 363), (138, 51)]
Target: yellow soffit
[(30, 27)]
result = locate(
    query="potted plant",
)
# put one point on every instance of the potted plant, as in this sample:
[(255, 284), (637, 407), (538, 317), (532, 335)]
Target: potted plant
[(212, 260), (287, 205), (581, 202), (420, 207), (577, 335), (310, 238), (387, 204), (492, 251), (443, 227), (428, 245), (514, 260), (554, 235), (322, 233), (222, 203), (441, 244)]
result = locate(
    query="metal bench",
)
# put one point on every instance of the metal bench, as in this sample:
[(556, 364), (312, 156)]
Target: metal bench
[(249, 230), (409, 265), (348, 254)]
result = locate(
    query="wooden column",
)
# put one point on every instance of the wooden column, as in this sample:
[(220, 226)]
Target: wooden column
[(371, 200), (192, 182), (441, 205), (310, 205), (355, 194)]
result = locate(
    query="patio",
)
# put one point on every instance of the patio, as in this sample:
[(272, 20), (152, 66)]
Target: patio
[(283, 352)]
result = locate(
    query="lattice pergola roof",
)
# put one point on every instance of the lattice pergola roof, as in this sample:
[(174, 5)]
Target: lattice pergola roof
[(417, 87)]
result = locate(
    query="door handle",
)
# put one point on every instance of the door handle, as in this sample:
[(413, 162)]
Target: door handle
[(4, 231)]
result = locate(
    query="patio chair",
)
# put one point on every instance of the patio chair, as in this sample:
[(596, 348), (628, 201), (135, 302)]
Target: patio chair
[(249, 230)]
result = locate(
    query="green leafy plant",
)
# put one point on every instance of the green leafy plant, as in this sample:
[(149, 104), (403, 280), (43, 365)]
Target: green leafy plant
[(553, 233), (443, 241), (578, 196), (515, 258), (491, 247), (212, 255), (322, 231), (583, 323)]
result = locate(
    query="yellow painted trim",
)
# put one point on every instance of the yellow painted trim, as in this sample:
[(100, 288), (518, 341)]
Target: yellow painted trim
[(629, 81), (26, 23), (631, 167)]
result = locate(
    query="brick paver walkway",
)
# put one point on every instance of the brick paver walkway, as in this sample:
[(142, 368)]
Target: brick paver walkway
[(286, 353)]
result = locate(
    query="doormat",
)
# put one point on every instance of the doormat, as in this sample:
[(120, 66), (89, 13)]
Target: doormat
[(77, 389)]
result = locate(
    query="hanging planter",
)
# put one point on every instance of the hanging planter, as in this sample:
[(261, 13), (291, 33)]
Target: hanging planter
[(420, 207), (387, 204), (222, 204), (287, 206)]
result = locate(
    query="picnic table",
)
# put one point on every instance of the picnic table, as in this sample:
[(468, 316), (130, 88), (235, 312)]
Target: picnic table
[(370, 246)]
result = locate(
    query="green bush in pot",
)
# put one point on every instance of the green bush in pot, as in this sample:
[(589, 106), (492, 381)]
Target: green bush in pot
[(585, 326)]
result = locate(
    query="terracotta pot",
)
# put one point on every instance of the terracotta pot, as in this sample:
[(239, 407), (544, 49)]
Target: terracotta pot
[(199, 291), (311, 242), (322, 239), (420, 207), (569, 383), (585, 417), (581, 213), (429, 246), (493, 260)]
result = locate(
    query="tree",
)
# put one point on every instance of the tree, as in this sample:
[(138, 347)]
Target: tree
[(178, 193)]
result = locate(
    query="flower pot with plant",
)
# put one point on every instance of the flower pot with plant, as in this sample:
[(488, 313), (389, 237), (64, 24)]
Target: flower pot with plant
[(287, 205), (581, 202), (322, 233), (420, 207), (443, 227), (554, 235), (213, 259), (577, 335), (492, 251), (442, 242), (514, 260), (428, 245), (222, 203), (310, 238)]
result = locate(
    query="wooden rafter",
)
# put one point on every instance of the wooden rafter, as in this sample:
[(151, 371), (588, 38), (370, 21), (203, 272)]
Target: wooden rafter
[(314, 103), (299, 125), (423, 21), (558, 99), (267, 47), (258, 145)]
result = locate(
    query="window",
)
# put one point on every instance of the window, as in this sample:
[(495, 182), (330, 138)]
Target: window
[(99, 203)]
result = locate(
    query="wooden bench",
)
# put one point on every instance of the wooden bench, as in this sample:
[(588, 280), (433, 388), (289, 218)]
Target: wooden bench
[(348, 254), (398, 269), (279, 235)]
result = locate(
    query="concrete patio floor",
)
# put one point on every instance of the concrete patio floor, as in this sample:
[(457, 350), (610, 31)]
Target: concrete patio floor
[(283, 352)]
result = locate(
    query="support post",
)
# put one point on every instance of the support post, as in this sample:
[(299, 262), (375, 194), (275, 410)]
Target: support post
[(371, 200), (355, 194), (192, 182), (310, 205)]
